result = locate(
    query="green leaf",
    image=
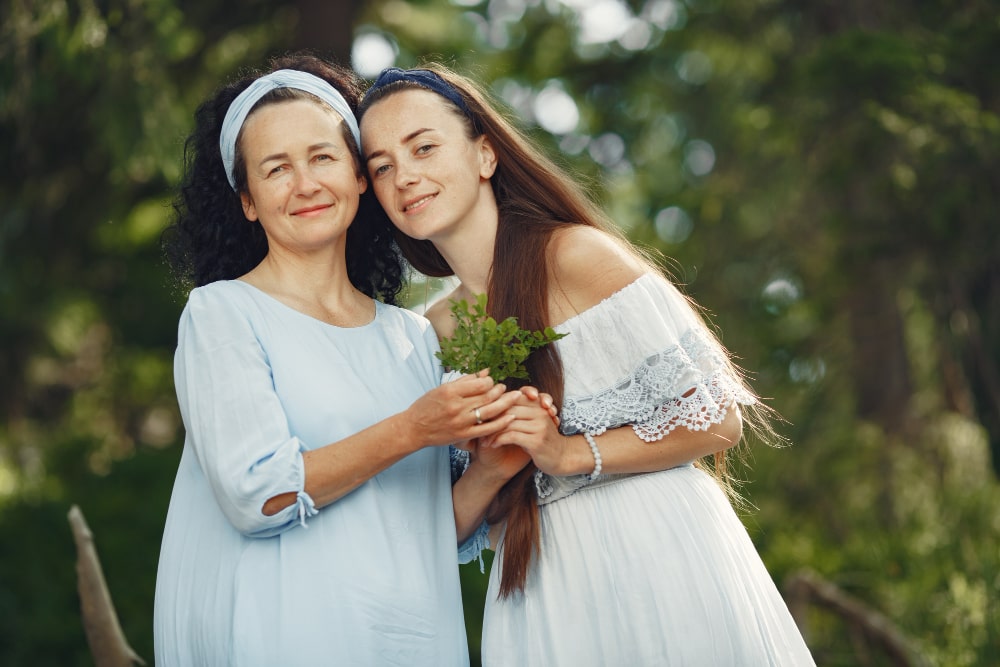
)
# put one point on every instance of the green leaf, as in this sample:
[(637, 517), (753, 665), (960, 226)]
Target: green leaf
[(479, 342)]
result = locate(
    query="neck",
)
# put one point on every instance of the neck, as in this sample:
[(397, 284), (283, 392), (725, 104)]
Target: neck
[(469, 249), (320, 278)]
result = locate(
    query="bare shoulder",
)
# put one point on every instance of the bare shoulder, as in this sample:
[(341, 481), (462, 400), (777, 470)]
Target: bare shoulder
[(439, 312), (586, 266)]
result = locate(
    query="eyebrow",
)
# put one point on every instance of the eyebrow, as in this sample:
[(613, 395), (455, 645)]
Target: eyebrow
[(283, 156), (406, 139)]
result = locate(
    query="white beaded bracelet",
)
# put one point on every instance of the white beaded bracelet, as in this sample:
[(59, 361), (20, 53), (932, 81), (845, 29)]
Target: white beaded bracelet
[(597, 456)]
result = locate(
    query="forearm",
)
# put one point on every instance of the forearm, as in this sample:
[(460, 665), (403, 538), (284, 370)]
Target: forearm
[(622, 451), (471, 496), (441, 416), (336, 469)]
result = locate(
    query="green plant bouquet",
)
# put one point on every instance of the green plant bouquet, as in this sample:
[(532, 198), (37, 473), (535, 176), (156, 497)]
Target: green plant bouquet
[(479, 342)]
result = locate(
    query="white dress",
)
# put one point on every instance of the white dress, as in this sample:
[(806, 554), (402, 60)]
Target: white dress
[(371, 579), (653, 569)]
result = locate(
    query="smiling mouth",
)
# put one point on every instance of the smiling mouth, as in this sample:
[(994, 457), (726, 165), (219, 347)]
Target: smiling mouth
[(311, 209), (418, 203)]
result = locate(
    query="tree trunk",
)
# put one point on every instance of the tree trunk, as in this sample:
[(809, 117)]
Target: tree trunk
[(326, 27), (108, 645), (881, 367), (804, 587)]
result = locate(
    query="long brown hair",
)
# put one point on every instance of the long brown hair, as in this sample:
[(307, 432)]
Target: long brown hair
[(535, 197)]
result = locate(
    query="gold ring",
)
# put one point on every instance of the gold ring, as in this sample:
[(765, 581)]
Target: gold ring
[(479, 417)]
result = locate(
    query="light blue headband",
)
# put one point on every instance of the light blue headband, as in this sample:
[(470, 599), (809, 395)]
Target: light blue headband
[(282, 78)]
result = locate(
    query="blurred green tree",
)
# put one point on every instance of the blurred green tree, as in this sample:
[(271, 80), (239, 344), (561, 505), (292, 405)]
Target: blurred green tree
[(95, 101), (822, 177)]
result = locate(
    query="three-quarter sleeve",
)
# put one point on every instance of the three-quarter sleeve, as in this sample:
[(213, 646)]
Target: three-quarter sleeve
[(234, 419), (472, 547)]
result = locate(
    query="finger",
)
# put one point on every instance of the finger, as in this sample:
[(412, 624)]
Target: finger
[(471, 385), (530, 412), (544, 402), (480, 405), (525, 401), (547, 402), (512, 445), (483, 398), (526, 441), (534, 411), (520, 429), (499, 405), (496, 392), (488, 428), (532, 393)]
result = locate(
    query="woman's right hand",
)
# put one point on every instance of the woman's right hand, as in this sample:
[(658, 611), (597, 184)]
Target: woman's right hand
[(498, 463), (470, 407), (535, 431)]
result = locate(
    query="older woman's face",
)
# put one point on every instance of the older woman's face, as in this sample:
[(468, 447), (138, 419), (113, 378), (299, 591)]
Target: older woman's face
[(427, 174), (302, 178)]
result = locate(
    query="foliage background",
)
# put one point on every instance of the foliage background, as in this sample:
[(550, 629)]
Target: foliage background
[(823, 176)]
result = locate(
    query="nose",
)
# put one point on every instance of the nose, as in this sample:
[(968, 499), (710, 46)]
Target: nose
[(405, 174), (305, 181)]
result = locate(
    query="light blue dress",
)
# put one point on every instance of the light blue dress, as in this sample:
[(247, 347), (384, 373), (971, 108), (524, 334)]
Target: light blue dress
[(370, 579)]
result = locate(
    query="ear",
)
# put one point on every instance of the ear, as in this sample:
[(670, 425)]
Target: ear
[(249, 210), (487, 158), (362, 184)]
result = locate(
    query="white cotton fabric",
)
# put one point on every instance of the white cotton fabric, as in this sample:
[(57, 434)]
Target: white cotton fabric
[(653, 569), (370, 579)]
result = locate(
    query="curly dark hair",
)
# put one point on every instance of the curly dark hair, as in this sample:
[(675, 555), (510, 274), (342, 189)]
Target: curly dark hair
[(210, 239)]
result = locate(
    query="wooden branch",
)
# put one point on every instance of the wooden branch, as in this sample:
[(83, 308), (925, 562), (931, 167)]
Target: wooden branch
[(107, 642), (804, 587)]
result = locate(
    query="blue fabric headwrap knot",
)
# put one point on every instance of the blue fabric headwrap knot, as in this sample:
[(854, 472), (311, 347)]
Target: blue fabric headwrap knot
[(424, 78), (282, 78)]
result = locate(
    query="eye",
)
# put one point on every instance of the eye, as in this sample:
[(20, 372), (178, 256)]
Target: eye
[(323, 157), (423, 149), (380, 170), (276, 170)]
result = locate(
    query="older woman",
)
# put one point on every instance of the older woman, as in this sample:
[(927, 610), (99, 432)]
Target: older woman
[(311, 521)]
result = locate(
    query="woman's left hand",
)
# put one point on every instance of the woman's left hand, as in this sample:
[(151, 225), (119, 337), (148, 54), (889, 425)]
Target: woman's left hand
[(534, 429), (544, 399)]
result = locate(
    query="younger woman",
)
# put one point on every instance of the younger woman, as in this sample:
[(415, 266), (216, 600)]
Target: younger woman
[(614, 548)]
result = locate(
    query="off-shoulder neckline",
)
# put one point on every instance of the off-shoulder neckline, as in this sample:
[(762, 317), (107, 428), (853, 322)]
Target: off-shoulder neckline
[(614, 296)]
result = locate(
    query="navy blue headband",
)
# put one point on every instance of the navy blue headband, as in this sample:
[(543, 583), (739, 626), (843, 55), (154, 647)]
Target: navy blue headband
[(425, 79)]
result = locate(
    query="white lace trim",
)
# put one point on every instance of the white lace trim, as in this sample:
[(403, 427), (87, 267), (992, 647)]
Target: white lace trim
[(543, 485), (688, 384)]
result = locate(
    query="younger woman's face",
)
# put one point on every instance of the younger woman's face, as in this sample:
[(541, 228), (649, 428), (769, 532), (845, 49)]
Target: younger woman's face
[(430, 178)]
